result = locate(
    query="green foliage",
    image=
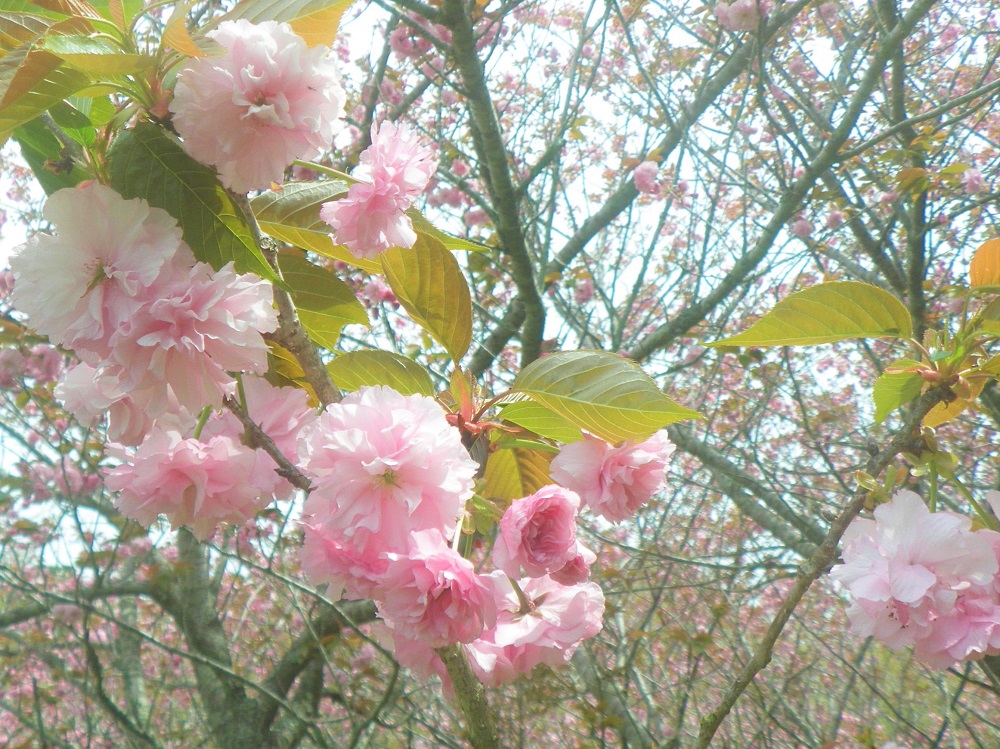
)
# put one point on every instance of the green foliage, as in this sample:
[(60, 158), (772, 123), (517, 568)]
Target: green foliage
[(512, 473), (325, 304), (893, 389), (827, 313), (430, 285), (291, 215), (541, 420), (31, 81), (610, 397), (356, 369), (96, 55), (149, 163), (44, 154)]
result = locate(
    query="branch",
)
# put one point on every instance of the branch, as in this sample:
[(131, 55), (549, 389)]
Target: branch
[(737, 483), (286, 469), (634, 735), (492, 152), (470, 694), (307, 648), (697, 310), (32, 611), (816, 566)]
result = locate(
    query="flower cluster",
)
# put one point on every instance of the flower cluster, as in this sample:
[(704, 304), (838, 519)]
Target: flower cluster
[(268, 101), (924, 579), (158, 336), (371, 217), (542, 606), (152, 327)]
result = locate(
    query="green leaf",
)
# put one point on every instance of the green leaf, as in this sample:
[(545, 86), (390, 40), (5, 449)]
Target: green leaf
[(96, 55), (357, 369), (74, 123), (515, 473), (98, 110), (827, 313), (291, 215), (422, 226), (541, 420), (989, 318), (610, 397), (31, 81), (893, 389), (148, 163), (17, 29), (120, 11), (428, 282), (43, 153), (325, 304), (289, 11)]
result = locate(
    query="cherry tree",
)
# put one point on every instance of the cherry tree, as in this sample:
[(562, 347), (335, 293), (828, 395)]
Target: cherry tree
[(322, 383)]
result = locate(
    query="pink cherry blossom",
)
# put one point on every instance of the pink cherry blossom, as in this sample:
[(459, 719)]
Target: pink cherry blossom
[(613, 481), (371, 218), (195, 328), (741, 15), (537, 533), (45, 363), (193, 482), (78, 286), (12, 364), (433, 594), (644, 176), (558, 619), (577, 569), (801, 228), (350, 572), (89, 393), (924, 579), (972, 181), (383, 466), (268, 101)]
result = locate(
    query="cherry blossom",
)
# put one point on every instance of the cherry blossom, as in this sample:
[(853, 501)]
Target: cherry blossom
[(88, 393), (644, 176), (972, 181), (538, 533), (268, 101), (193, 482), (197, 327), (924, 579), (384, 466), (801, 228), (741, 15), (558, 619), (371, 218), (433, 594), (613, 481), (78, 286)]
